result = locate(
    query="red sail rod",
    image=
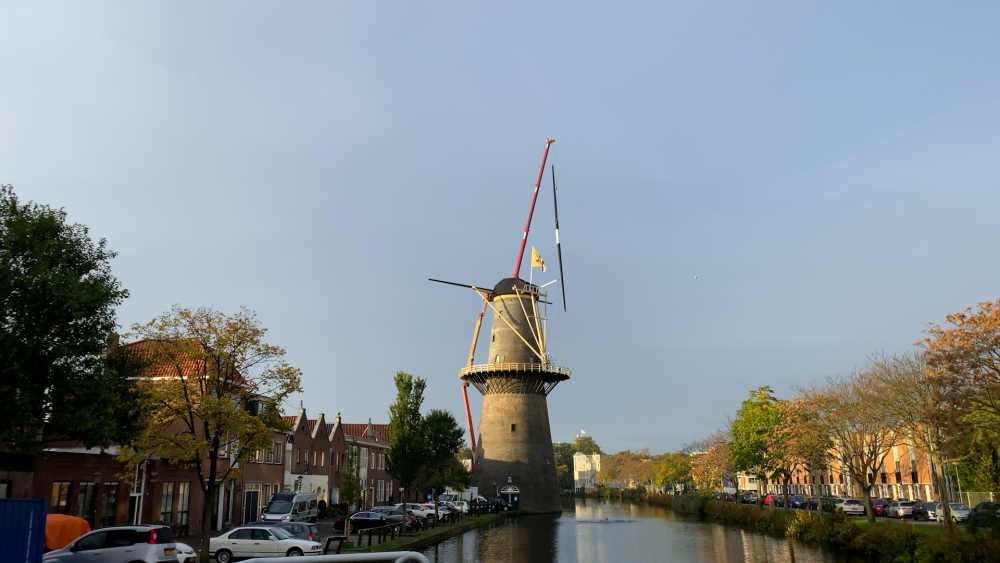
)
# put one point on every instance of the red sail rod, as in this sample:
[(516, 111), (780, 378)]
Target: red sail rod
[(468, 418), (531, 210)]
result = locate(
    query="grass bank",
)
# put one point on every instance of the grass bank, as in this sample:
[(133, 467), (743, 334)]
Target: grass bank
[(882, 541), (418, 540)]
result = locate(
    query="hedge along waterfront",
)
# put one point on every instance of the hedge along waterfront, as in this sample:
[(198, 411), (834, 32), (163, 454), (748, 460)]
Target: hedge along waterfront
[(882, 541)]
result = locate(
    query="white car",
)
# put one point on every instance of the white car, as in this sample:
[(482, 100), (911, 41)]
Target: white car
[(418, 510), (851, 506), (150, 544), (185, 553), (959, 512), (460, 505), (252, 541)]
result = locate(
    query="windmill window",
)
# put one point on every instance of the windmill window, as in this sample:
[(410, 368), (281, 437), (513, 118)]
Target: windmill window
[(513, 428), (493, 338), (500, 358)]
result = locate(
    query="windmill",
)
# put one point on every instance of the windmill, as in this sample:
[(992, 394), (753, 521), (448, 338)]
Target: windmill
[(514, 451)]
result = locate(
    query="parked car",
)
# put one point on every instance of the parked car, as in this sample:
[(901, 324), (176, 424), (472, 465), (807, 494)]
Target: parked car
[(851, 506), (796, 501), (773, 499), (461, 505), (959, 512), (185, 553), (879, 505), (925, 511), (419, 510), (392, 515), (984, 514), (302, 530), (899, 509), (497, 504), (363, 521), (748, 498), (259, 541), (829, 503), (150, 544)]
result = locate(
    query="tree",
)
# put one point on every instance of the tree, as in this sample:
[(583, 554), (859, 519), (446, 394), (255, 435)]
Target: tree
[(968, 356), (863, 431), (586, 445), (807, 442), (672, 469), (712, 466), (57, 310), (932, 410), (350, 481), (204, 368), (443, 438), (751, 430), (562, 455), (407, 450)]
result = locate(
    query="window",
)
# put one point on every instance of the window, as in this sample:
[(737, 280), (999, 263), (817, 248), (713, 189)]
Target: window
[(92, 542), (307, 460), (336, 460), (322, 459), (60, 497), (183, 499), (110, 506), (167, 504), (513, 428), (260, 456), (270, 455), (267, 493), (298, 452), (277, 452), (85, 501), (315, 455)]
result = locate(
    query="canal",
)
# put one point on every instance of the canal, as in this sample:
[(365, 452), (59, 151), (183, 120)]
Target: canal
[(591, 531)]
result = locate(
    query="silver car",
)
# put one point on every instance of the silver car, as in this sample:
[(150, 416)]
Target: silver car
[(121, 544), (899, 509), (959, 512)]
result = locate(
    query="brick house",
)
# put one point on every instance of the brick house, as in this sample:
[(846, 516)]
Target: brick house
[(372, 440)]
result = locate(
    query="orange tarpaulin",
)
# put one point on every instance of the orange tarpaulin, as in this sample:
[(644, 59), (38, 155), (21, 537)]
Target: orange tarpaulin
[(61, 530)]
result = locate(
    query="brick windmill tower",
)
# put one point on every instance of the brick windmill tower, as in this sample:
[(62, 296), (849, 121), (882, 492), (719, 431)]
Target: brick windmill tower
[(513, 456)]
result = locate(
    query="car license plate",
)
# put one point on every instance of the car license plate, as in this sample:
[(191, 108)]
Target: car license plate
[(168, 551)]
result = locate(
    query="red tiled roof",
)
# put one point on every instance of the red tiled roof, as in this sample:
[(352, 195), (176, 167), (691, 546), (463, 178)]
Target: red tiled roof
[(290, 419), (167, 367), (360, 431), (312, 425)]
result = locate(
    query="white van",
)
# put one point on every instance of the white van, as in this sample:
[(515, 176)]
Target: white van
[(292, 507)]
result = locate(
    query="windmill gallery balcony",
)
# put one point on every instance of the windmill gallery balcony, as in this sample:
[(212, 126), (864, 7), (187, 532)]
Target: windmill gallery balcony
[(520, 378)]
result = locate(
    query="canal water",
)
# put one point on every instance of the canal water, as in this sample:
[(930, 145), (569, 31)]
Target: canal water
[(591, 531)]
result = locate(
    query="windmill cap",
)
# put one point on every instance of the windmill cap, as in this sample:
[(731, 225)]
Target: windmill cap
[(507, 285)]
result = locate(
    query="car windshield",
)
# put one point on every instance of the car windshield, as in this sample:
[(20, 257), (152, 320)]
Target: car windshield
[(279, 506), (906, 504), (851, 501), (281, 533), (957, 506)]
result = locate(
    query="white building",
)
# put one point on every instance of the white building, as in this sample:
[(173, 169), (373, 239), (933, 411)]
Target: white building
[(585, 468)]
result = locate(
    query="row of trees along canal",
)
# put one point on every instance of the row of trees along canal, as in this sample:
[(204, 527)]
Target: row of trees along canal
[(170, 391), (942, 400)]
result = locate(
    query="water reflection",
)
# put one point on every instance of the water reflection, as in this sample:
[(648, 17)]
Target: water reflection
[(589, 531)]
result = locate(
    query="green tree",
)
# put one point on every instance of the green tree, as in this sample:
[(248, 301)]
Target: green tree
[(673, 469), (350, 482), (204, 368), (407, 450), (562, 455), (586, 445), (57, 310), (755, 422), (443, 438)]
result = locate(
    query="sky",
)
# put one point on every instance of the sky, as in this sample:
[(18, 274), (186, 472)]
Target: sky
[(750, 194)]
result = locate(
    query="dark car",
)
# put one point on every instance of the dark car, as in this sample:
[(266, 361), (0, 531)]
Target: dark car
[(878, 506), (925, 511), (303, 530), (497, 504), (363, 521), (796, 501), (748, 498), (391, 514), (984, 514), (829, 503)]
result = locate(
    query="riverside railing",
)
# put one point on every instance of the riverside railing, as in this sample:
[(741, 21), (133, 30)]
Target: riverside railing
[(390, 556)]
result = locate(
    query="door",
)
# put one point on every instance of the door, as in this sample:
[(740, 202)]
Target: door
[(90, 549), (264, 544), (241, 543), (251, 505), (119, 546)]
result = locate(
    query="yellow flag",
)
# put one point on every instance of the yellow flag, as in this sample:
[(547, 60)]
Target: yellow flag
[(536, 259)]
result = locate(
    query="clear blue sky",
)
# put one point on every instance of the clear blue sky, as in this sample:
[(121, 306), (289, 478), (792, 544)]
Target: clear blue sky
[(828, 172)]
